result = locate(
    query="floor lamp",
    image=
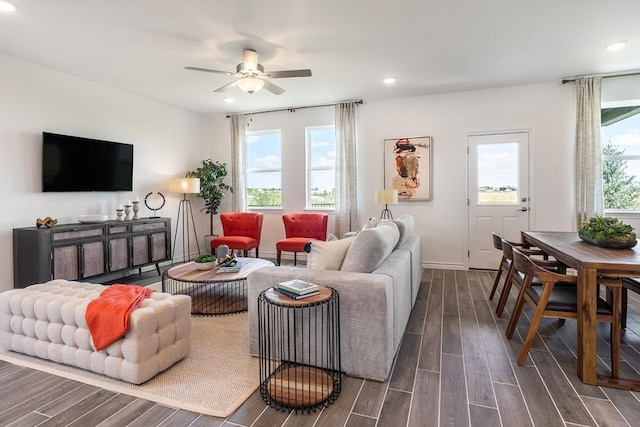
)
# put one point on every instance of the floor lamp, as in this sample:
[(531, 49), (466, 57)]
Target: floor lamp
[(386, 197), (185, 186)]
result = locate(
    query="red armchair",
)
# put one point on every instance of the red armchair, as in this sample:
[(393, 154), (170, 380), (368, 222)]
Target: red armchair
[(300, 228), (241, 231)]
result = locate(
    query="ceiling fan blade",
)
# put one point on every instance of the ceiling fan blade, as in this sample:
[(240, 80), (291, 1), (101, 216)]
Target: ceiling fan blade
[(207, 70), (288, 73), (227, 87), (249, 60), (274, 89)]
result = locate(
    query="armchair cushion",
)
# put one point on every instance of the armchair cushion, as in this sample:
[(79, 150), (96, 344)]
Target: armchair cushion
[(371, 247), (328, 255), (235, 242)]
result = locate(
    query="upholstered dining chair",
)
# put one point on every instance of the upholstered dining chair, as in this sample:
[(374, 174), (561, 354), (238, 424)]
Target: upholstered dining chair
[(556, 296), (300, 228), (241, 231)]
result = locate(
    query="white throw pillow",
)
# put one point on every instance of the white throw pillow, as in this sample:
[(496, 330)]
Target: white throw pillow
[(405, 227), (372, 222), (328, 255)]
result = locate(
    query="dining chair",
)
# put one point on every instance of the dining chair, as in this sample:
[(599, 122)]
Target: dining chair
[(557, 297), (299, 229), (504, 264), (241, 231), (512, 277), (628, 284)]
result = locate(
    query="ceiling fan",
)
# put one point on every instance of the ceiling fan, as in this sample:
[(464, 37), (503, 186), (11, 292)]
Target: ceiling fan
[(252, 76)]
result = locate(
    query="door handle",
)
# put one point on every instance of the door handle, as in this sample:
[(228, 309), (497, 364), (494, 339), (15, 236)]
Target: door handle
[(523, 209)]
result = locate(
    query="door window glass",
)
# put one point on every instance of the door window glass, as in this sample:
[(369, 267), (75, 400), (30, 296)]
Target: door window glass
[(498, 174)]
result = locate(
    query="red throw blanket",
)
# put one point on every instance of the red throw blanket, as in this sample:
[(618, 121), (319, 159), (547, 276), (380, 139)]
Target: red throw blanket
[(108, 315)]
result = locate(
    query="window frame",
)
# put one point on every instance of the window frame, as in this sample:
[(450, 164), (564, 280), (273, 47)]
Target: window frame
[(309, 169)]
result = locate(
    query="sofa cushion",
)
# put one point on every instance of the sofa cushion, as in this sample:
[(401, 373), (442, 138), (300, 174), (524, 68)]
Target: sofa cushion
[(370, 247), (405, 227), (328, 255)]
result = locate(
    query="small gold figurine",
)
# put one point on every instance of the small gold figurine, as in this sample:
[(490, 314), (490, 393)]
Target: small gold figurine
[(47, 222)]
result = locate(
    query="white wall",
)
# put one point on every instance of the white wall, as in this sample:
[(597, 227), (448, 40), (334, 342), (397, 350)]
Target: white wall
[(167, 142), (546, 110)]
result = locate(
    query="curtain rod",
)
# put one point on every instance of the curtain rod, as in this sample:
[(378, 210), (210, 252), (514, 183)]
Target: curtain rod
[(604, 76), (292, 109)]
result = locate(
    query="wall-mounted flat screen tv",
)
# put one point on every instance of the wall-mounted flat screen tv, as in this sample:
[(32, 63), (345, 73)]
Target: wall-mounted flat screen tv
[(71, 163)]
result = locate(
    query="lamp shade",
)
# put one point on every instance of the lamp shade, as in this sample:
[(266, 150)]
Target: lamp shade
[(387, 197), (250, 84), (184, 185)]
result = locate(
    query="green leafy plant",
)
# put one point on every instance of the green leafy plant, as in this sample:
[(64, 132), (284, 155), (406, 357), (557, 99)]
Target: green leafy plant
[(607, 228), (205, 258), (212, 186)]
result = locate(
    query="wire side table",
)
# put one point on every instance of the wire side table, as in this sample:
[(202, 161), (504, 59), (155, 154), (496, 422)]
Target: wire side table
[(299, 349)]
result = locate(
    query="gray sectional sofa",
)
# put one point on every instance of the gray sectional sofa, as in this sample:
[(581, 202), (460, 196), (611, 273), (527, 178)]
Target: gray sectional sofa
[(378, 283)]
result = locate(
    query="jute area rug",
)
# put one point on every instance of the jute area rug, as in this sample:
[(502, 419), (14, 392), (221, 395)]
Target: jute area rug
[(214, 379)]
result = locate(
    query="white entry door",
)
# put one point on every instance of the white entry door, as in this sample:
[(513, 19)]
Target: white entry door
[(498, 193)]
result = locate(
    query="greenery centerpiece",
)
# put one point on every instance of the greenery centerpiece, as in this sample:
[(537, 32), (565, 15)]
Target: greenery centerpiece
[(205, 261), (608, 232), (212, 186)]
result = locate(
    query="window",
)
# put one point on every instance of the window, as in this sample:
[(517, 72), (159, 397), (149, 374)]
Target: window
[(620, 138), (264, 169), (321, 167)]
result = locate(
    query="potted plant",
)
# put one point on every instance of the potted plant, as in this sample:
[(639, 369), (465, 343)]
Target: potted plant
[(205, 261), (212, 187), (608, 232)]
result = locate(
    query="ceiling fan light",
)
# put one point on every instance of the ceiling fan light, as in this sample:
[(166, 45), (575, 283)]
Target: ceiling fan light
[(611, 47), (250, 84), (8, 6)]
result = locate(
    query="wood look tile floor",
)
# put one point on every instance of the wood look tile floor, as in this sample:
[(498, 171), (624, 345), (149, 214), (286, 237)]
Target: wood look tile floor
[(454, 368)]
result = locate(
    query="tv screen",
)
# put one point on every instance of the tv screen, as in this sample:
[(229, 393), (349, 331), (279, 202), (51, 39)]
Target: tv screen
[(71, 163)]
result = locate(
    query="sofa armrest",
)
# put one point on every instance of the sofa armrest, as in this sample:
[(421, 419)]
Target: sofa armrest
[(366, 314)]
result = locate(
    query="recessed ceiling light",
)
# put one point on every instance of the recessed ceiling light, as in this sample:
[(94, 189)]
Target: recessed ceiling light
[(7, 6), (389, 80), (616, 45), (228, 99)]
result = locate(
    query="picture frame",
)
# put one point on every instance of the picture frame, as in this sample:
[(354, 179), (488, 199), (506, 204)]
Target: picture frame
[(408, 167)]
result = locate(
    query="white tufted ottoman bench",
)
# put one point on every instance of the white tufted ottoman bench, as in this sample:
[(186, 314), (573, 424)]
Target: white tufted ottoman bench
[(47, 321)]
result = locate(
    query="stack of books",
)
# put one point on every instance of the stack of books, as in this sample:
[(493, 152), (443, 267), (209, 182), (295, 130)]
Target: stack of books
[(233, 268), (297, 289)]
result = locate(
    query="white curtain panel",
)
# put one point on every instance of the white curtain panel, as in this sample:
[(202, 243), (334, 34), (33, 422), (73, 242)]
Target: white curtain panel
[(346, 172), (238, 172), (588, 165)]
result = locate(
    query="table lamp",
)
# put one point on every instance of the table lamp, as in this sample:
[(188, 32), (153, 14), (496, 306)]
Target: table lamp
[(386, 197), (185, 186)]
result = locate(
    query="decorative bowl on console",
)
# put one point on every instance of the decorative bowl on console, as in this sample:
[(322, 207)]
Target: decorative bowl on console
[(89, 219), (608, 232)]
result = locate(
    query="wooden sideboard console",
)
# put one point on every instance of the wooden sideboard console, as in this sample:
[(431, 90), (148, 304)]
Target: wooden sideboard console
[(89, 252)]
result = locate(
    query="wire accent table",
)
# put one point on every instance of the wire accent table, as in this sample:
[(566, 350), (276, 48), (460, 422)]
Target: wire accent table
[(212, 293), (299, 349)]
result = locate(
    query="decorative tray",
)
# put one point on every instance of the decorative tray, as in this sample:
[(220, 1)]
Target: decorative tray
[(89, 219), (611, 244)]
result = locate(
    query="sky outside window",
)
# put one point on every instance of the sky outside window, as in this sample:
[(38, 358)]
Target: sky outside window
[(264, 155)]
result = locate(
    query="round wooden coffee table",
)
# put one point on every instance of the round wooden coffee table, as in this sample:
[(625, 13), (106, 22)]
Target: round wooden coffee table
[(212, 293), (299, 349)]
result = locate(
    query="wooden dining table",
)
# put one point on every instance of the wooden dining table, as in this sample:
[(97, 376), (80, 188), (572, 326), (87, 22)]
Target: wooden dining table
[(589, 261)]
